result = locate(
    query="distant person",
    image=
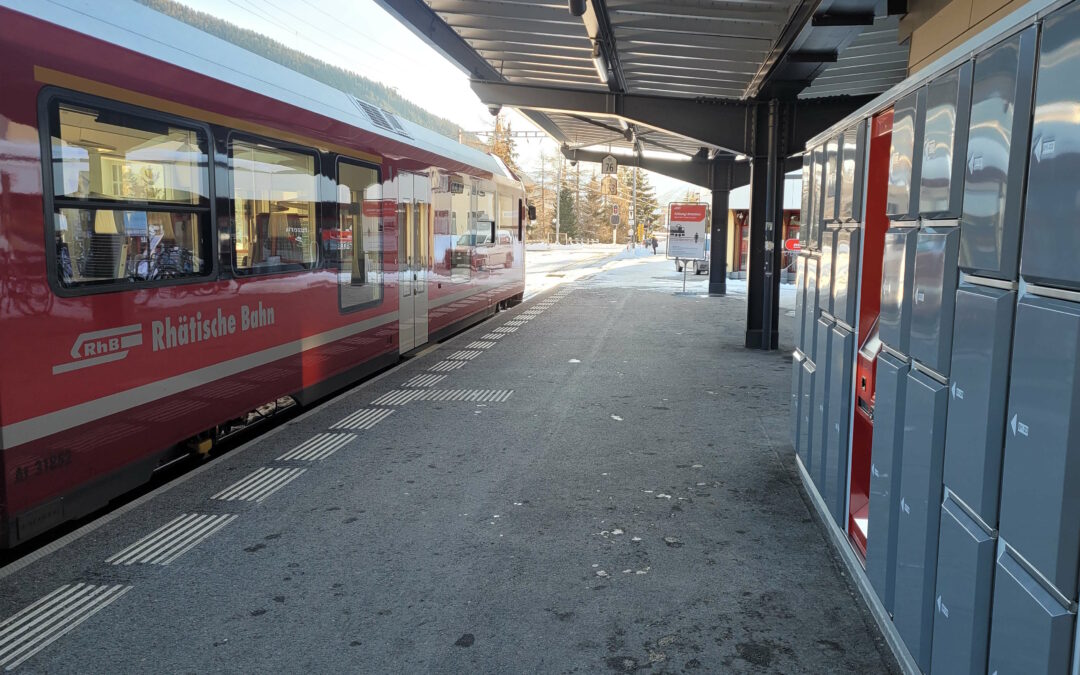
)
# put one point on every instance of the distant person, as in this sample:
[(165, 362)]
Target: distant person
[(654, 245)]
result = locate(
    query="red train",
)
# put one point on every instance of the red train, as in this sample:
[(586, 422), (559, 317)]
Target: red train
[(185, 238)]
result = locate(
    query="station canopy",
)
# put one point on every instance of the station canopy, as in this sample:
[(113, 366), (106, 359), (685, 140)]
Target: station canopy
[(671, 76)]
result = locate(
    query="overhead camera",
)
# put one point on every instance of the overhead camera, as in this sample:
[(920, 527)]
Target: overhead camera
[(494, 110), (573, 162)]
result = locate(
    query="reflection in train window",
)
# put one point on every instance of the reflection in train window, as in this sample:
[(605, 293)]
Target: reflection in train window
[(354, 246), (461, 216), (274, 206), (130, 197)]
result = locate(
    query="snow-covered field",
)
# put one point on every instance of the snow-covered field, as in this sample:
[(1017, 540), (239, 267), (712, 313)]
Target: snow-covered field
[(615, 266)]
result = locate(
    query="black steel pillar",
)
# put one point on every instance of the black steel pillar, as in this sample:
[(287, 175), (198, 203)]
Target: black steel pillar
[(766, 226), (718, 237)]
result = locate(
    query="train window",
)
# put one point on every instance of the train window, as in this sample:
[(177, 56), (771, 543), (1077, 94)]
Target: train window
[(274, 206), (130, 197), (354, 244), (461, 230), (507, 214)]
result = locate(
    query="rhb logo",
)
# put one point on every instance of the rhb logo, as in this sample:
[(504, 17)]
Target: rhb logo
[(101, 346)]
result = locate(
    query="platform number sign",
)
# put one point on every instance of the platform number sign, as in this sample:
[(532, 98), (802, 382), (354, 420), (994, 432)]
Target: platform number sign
[(609, 165)]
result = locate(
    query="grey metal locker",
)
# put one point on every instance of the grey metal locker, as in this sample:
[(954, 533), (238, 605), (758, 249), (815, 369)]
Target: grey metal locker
[(832, 182), (941, 181), (796, 399), (886, 452), (1040, 482), (997, 156), (1051, 237), (975, 431), (810, 307), (934, 298), (845, 275), (842, 357), (823, 363), (825, 269), (897, 278), (800, 301), (1030, 631), (920, 513), (816, 198), (852, 149), (806, 417), (901, 202), (804, 212), (965, 584)]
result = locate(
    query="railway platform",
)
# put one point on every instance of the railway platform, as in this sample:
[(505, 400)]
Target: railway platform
[(597, 480)]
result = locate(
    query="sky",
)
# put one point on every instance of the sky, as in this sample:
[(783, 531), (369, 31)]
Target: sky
[(359, 35)]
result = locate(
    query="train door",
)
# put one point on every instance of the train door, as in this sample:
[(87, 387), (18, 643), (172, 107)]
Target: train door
[(414, 245)]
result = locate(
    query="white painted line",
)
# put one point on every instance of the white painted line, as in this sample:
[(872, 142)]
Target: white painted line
[(318, 447), (363, 419), (50, 618), (515, 322), (492, 336), (494, 395), (398, 397), (259, 485), (464, 355), (444, 366), (505, 329), (479, 344), (426, 379), (170, 541)]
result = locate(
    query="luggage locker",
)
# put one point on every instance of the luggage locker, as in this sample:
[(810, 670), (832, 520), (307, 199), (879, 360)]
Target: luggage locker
[(822, 361), (934, 298), (842, 355), (978, 386), (965, 584), (1030, 631), (886, 453), (897, 280), (920, 513), (1040, 482)]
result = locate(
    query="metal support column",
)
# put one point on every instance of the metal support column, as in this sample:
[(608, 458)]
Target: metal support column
[(718, 237), (766, 225)]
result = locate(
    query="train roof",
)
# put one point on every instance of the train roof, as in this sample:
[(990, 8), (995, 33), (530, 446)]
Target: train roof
[(143, 30)]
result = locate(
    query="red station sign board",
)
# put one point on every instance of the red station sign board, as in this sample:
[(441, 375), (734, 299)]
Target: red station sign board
[(792, 245)]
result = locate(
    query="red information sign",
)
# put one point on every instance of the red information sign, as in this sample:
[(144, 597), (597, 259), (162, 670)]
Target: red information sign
[(792, 245), (688, 213)]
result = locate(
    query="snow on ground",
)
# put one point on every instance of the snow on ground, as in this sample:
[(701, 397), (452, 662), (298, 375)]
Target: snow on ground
[(615, 266)]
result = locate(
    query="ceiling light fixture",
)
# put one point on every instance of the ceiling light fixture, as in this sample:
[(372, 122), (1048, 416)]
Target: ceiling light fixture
[(600, 62)]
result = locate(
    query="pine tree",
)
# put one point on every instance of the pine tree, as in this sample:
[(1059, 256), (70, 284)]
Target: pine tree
[(502, 144), (595, 209)]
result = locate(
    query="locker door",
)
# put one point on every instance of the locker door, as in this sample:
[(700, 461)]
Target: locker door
[(934, 297), (975, 432), (839, 423), (897, 276), (1030, 632), (886, 452), (920, 513), (965, 576), (1040, 482), (822, 360), (806, 421), (796, 400)]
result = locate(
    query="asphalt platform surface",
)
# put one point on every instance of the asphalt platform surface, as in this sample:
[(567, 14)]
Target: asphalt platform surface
[(632, 505)]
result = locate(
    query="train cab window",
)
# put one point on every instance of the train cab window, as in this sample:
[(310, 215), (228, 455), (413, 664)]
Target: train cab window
[(274, 207), (130, 197), (354, 243)]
